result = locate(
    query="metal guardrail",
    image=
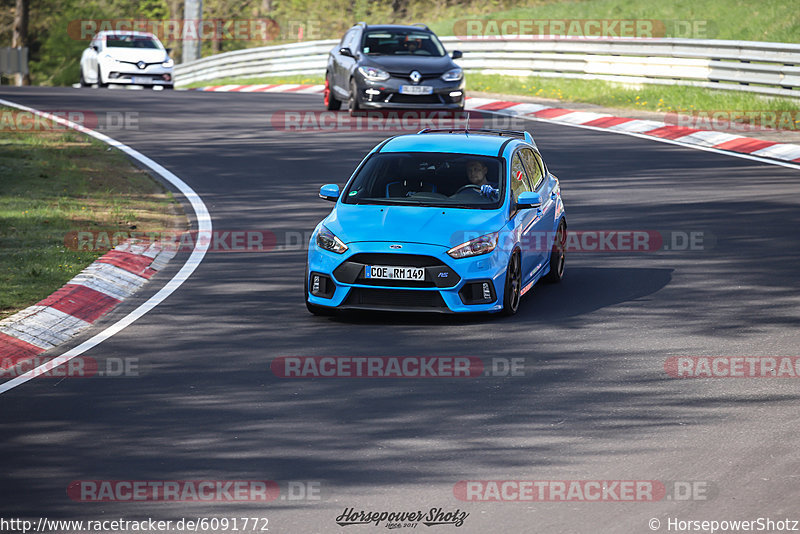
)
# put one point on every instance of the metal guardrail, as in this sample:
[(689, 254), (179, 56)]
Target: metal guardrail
[(13, 61), (765, 68)]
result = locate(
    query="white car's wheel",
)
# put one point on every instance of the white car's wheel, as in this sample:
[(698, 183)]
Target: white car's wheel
[(100, 79)]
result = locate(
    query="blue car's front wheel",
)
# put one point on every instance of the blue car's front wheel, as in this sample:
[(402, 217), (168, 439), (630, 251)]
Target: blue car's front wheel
[(513, 285)]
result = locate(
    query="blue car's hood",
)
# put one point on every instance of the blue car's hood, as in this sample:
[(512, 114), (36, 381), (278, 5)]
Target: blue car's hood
[(446, 227)]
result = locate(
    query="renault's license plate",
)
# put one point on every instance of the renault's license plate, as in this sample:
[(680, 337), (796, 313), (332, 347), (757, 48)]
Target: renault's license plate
[(141, 80), (416, 89), (390, 272)]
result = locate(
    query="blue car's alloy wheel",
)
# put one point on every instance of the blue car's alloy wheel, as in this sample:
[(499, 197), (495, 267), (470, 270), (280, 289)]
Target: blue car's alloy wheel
[(511, 295), (557, 256)]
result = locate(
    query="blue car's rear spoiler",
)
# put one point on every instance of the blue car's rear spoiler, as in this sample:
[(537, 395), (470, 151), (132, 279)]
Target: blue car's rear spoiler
[(505, 133)]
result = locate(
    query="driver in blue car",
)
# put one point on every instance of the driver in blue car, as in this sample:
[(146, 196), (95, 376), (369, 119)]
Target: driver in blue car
[(476, 172)]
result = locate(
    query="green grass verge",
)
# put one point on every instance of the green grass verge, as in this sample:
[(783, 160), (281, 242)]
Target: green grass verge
[(664, 98), (765, 20), (57, 181)]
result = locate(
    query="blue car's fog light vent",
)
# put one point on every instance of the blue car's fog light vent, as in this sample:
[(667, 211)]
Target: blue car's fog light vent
[(321, 285), (481, 292)]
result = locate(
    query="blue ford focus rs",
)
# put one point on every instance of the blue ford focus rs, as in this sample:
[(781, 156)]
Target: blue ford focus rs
[(439, 221)]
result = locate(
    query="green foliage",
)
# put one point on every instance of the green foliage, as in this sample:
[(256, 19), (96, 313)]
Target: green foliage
[(55, 54)]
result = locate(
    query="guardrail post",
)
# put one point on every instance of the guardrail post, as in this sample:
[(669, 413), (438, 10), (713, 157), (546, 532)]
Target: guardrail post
[(14, 61)]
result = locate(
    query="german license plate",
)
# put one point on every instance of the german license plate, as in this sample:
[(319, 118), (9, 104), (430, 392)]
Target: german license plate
[(416, 89), (391, 272), (140, 80)]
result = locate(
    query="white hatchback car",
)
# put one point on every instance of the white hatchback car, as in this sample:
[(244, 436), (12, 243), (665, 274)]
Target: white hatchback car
[(127, 57)]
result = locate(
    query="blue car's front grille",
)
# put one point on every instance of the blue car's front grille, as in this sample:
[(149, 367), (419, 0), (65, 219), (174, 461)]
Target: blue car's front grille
[(437, 273), (361, 297)]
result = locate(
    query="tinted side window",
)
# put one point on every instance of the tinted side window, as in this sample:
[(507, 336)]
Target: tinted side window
[(519, 178), (534, 167)]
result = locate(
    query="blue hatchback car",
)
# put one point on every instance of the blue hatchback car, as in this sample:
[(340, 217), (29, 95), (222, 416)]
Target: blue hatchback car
[(439, 221)]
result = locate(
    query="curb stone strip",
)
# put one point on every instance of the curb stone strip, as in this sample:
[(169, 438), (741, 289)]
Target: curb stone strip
[(705, 138), (93, 292)]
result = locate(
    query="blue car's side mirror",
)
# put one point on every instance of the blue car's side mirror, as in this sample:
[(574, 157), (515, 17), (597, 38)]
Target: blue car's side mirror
[(529, 199), (329, 192)]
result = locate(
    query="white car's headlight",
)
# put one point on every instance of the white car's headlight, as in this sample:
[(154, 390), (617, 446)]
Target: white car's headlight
[(373, 74), (453, 75), (168, 63), (328, 241), (475, 247), (109, 57)]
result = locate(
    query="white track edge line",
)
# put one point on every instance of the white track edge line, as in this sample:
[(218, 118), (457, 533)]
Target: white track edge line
[(203, 225)]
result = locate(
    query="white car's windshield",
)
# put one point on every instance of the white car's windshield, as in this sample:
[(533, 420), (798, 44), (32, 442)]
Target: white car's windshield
[(131, 41), (428, 179)]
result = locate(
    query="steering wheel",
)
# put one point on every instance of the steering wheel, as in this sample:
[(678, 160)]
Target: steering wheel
[(477, 188)]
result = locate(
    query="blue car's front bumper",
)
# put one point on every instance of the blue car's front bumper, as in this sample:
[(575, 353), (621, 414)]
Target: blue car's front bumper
[(450, 285)]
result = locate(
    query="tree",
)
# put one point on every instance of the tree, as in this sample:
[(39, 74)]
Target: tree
[(20, 37)]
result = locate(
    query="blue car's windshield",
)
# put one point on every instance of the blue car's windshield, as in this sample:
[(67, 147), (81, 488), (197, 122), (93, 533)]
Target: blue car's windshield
[(428, 179)]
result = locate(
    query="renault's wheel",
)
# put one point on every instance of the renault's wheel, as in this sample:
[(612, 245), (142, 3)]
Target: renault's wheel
[(331, 102)]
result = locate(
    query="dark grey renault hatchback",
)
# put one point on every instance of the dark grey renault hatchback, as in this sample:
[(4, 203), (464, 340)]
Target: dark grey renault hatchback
[(391, 66)]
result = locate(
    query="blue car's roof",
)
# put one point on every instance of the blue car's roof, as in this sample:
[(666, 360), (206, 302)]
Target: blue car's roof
[(478, 144)]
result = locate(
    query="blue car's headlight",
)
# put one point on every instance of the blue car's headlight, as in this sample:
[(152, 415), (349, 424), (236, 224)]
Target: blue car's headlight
[(453, 75), (373, 74), (327, 241), (475, 247)]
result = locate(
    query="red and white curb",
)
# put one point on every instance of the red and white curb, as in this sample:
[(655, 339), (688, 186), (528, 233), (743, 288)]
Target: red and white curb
[(722, 141), (264, 88), (662, 130), (93, 292)]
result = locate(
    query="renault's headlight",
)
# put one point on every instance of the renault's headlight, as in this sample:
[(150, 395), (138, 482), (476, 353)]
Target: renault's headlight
[(168, 63), (475, 247), (453, 75), (327, 241), (373, 74)]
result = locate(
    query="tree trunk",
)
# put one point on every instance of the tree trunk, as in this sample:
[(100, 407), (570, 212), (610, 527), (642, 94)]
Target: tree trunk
[(20, 37), (399, 10)]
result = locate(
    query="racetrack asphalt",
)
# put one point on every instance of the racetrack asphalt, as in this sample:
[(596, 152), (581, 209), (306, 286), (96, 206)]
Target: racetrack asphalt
[(595, 402)]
